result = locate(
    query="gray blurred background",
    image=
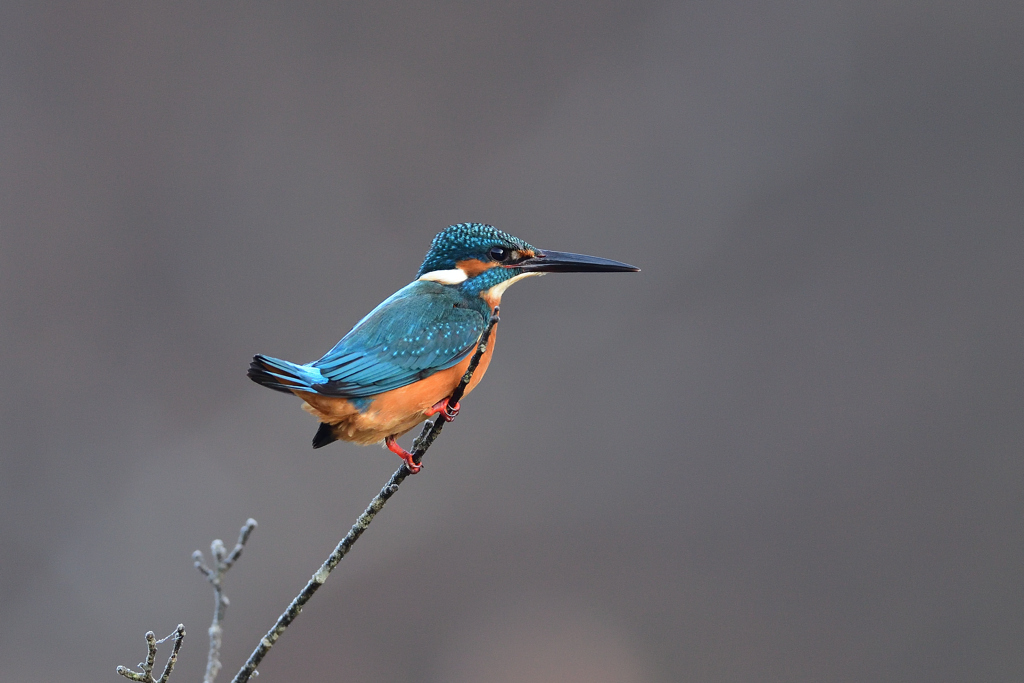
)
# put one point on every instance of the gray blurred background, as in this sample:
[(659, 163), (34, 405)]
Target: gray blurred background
[(789, 450)]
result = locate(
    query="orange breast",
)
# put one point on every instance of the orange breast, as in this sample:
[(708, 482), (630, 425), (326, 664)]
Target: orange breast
[(394, 412)]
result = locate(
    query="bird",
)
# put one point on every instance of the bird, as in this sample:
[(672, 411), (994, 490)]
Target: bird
[(400, 363)]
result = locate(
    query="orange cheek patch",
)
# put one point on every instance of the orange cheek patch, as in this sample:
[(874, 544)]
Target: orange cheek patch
[(473, 267)]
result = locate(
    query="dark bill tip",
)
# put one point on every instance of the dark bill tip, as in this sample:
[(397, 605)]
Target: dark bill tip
[(564, 262)]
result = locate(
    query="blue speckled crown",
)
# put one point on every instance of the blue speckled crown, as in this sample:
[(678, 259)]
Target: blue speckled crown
[(465, 241)]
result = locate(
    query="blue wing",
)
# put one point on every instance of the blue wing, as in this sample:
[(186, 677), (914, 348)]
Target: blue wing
[(421, 329)]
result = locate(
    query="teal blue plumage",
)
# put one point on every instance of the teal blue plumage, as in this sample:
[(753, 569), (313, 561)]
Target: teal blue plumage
[(420, 329)]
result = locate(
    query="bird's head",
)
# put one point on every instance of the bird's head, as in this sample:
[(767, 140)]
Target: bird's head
[(483, 261)]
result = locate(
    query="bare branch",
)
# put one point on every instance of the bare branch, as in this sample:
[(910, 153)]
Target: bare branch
[(421, 444), (179, 635), (146, 673), (222, 563)]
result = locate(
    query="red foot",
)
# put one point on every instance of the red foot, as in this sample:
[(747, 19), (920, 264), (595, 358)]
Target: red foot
[(442, 407), (405, 455)]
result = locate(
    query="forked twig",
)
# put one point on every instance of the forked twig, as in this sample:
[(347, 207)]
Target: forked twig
[(146, 673), (420, 446), (222, 562)]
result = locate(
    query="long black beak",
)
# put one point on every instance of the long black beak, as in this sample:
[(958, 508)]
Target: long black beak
[(563, 262)]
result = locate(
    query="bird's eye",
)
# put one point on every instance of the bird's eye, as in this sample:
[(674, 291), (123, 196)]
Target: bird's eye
[(499, 253)]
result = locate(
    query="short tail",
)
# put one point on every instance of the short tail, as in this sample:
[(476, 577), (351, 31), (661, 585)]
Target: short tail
[(324, 435), (281, 375)]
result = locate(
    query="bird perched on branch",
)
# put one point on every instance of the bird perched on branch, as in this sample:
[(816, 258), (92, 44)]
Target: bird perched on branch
[(400, 363)]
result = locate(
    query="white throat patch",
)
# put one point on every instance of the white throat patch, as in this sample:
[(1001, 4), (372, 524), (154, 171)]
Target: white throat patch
[(445, 277), (495, 292)]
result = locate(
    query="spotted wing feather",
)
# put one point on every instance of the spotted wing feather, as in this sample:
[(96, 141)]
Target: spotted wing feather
[(421, 329)]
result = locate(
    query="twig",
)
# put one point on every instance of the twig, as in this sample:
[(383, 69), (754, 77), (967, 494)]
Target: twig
[(421, 444), (222, 562), (146, 675)]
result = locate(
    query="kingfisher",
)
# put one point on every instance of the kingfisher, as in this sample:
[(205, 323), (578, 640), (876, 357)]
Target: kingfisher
[(400, 363)]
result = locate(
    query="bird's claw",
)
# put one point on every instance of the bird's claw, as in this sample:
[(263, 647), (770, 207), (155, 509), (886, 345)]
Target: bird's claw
[(405, 455), (447, 412)]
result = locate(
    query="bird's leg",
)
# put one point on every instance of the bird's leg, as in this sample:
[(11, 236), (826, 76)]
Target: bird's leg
[(447, 412), (405, 455)]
